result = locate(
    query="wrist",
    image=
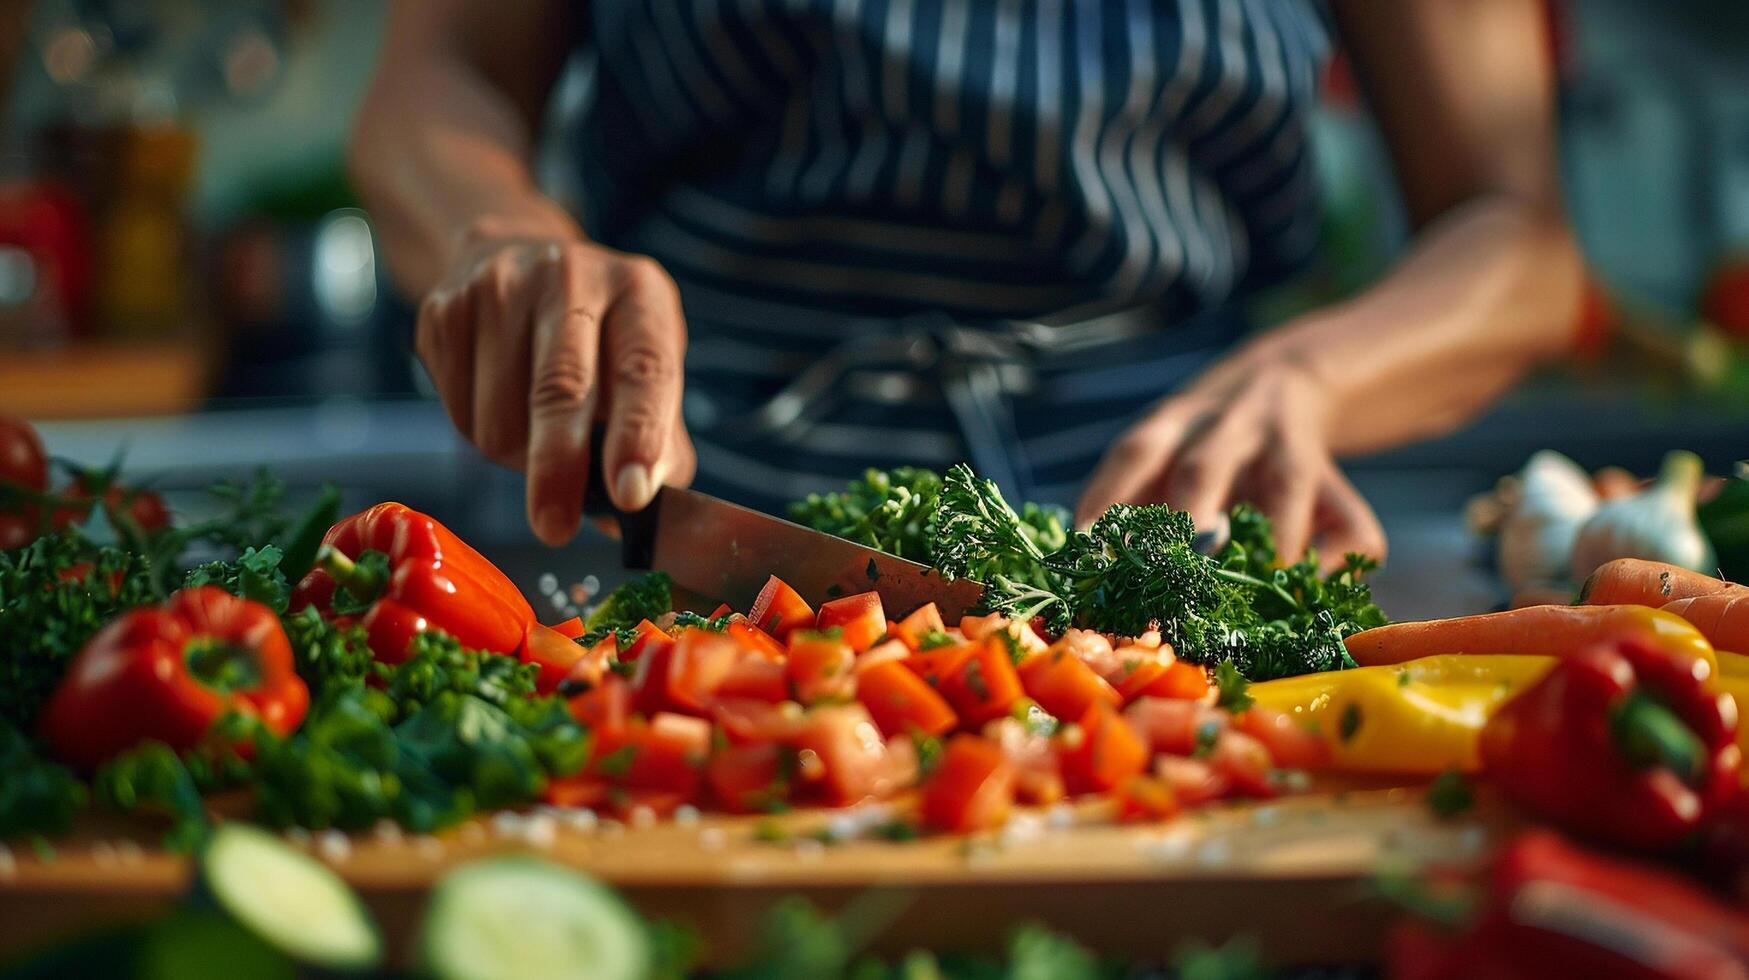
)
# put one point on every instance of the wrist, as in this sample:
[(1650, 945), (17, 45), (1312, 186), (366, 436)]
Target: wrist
[(539, 219)]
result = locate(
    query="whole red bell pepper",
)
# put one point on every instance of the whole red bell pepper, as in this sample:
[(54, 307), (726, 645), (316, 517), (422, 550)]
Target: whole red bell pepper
[(1622, 743), (1553, 909), (168, 673), (432, 581)]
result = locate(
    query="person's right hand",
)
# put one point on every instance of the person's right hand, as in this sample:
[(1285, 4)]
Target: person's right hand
[(532, 338)]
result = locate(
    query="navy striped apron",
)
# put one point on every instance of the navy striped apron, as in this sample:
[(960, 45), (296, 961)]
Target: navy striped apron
[(925, 231)]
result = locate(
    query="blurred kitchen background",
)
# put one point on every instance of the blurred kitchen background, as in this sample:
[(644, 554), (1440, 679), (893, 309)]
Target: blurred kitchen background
[(184, 272)]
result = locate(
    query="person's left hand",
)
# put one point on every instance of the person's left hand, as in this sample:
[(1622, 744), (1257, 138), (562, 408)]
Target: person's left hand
[(1249, 430)]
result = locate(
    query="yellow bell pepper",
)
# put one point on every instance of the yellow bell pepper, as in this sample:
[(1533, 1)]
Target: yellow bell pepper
[(1733, 665), (1421, 717)]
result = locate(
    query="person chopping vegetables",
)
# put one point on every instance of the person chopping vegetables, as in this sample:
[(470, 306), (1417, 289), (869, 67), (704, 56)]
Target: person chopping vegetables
[(817, 238)]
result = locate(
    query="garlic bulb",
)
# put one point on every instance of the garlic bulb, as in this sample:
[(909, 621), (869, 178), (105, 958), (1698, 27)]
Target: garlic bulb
[(1555, 497), (1658, 523)]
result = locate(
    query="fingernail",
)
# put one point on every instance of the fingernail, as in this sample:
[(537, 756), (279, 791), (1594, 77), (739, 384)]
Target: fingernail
[(634, 488), (1205, 542), (554, 525)]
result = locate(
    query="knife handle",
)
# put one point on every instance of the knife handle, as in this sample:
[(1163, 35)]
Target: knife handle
[(637, 529)]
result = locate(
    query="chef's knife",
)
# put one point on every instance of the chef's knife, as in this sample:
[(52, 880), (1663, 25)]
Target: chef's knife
[(722, 551)]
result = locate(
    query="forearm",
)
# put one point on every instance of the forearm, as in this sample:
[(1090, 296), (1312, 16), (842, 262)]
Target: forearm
[(1488, 291), (442, 140)]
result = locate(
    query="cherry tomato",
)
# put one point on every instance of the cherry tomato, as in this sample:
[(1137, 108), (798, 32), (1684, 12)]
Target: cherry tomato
[(22, 460), (17, 529)]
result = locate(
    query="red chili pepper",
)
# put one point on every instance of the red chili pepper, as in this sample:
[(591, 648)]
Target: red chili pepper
[(1622, 743), (1553, 909), (434, 581), (168, 672)]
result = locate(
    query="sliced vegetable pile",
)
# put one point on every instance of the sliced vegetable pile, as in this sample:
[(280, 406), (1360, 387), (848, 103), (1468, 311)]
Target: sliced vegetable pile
[(1133, 571), (787, 706)]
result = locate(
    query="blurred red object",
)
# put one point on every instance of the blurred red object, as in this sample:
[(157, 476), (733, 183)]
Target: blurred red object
[(1553, 909), (46, 219), (1597, 319), (1725, 301)]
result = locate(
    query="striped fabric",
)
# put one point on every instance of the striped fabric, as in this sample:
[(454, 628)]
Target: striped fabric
[(931, 230)]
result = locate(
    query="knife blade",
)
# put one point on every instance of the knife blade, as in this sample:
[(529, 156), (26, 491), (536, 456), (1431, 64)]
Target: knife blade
[(723, 551)]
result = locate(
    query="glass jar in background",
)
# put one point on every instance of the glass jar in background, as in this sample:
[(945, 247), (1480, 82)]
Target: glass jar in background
[(143, 240)]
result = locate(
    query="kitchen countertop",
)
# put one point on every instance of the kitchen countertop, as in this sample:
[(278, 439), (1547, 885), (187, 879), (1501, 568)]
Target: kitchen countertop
[(407, 450)]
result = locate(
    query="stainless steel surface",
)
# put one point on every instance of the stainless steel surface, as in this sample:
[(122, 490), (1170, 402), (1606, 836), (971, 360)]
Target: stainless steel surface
[(726, 552)]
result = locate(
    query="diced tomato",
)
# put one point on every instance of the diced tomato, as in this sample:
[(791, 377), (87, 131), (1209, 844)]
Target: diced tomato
[(1181, 680), (604, 709), (902, 702), (924, 620), (650, 675), (697, 665), (551, 651), (649, 635), (937, 665), (665, 753), (1038, 777), (1063, 685), (979, 627), (860, 617), (1193, 781), (1291, 744), (1174, 725), (571, 628), (721, 610), (589, 670), (1144, 672), (899, 633), (849, 760), (972, 787), (779, 610), (819, 667), (748, 778), (1091, 648), (748, 720), (578, 790), (1145, 799), (753, 676), (1102, 752), (883, 652), (1245, 763), (985, 686), (756, 640)]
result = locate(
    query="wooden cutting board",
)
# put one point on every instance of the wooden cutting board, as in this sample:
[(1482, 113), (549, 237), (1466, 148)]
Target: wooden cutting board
[(1297, 873)]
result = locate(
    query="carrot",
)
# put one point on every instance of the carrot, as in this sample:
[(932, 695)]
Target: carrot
[(1648, 583), (1722, 617), (1553, 631)]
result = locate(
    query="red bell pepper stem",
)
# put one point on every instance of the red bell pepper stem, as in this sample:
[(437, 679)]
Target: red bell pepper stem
[(1651, 735), (364, 584)]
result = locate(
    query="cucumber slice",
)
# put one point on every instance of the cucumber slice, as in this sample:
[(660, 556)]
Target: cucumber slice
[(514, 917), (289, 899)]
